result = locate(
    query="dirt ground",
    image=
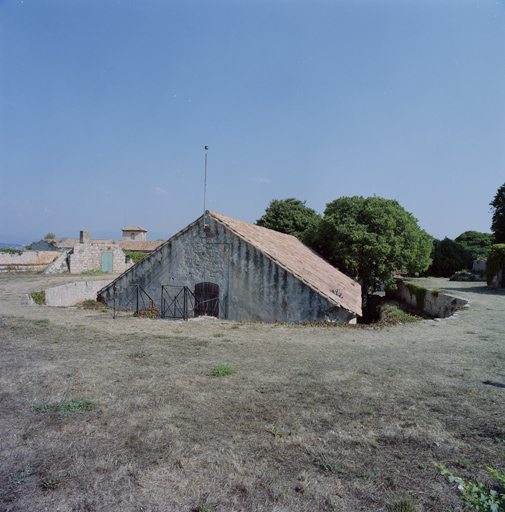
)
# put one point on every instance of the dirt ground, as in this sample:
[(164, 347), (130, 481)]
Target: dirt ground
[(315, 418)]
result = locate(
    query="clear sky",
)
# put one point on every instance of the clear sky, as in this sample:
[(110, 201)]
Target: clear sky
[(106, 106)]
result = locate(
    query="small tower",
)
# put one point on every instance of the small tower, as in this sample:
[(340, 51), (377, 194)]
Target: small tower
[(134, 233)]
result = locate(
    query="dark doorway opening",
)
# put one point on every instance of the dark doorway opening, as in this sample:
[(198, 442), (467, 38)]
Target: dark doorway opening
[(206, 299)]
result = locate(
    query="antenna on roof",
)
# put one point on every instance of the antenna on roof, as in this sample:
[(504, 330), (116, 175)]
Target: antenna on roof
[(205, 190)]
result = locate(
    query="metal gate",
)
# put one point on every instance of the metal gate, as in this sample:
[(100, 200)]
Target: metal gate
[(133, 302), (177, 302)]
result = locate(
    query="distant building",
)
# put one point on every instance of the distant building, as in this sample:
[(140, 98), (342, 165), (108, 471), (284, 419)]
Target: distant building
[(134, 233), (86, 253)]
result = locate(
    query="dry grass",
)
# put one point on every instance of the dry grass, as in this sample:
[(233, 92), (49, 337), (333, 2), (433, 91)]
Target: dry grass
[(314, 419)]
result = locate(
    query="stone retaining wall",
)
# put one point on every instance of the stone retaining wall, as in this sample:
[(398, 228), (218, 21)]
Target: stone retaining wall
[(27, 261), (73, 293), (439, 305)]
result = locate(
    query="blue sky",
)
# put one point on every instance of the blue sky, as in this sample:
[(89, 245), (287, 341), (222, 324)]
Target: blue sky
[(106, 106)]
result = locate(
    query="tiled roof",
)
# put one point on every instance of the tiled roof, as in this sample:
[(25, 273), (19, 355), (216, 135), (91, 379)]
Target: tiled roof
[(301, 261), (132, 245), (134, 228)]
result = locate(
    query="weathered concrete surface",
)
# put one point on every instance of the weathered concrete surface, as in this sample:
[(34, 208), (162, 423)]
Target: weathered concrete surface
[(73, 293), (252, 286), (441, 305), (27, 261)]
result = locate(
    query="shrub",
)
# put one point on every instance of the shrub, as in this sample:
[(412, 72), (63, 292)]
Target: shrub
[(11, 251), (135, 256), (495, 260), (222, 371), (476, 495), (39, 297)]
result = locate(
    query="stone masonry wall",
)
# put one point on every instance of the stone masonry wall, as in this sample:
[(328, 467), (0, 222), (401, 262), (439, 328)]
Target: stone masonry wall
[(89, 257), (27, 261), (252, 286)]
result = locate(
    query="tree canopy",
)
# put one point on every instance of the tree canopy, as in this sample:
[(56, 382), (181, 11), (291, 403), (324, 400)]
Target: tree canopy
[(449, 256), (498, 209), (290, 216), (370, 238), (475, 242)]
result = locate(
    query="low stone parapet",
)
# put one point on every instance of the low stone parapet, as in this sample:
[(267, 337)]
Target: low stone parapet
[(26, 261), (432, 302), (73, 293)]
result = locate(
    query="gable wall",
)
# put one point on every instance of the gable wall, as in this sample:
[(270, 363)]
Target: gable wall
[(252, 287)]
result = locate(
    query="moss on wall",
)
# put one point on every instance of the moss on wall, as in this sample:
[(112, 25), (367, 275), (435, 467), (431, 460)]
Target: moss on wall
[(419, 292)]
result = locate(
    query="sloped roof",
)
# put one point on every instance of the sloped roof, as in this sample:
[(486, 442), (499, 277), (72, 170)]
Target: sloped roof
[(134, 228), (132, 245), (301, 261)]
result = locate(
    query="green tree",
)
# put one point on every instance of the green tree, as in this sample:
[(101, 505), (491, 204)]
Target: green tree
[(475, 242), (449, 257), (498, 209), (370, 238), (292, 217), (52, 236)]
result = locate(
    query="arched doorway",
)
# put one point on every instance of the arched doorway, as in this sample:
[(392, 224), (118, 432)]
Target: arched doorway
[(206, 299)]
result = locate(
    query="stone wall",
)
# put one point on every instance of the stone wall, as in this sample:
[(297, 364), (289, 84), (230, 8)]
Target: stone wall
[(439, 305), (251, 286), (73, 293), (27, 261), (89, 257), (60, 265)]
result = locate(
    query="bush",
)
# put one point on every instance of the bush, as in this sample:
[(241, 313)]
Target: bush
[(476, 495), (495, 260), (135, 256)]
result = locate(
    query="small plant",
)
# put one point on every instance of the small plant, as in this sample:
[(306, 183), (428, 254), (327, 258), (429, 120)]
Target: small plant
[(64, 406), (151, 312), (39, 297), (42, 323), (21, 477), (369, 411), (201, 343), (50, 484), (476, 495), (327, 465), (222, 370), (435, 293), (93, 272), (368, 443), (392, 314), (139, 354), (281, 493), (275, 432), (204, 508), (404, 504), (218, 335), (67, 407)]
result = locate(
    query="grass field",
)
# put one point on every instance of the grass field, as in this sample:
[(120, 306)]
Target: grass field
[(214, 416)]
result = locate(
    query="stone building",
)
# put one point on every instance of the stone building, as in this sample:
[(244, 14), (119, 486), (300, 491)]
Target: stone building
[(224, 267), (134, 233)]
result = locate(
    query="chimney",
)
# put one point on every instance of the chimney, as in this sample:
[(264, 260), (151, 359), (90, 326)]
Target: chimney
[(85, 237)]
